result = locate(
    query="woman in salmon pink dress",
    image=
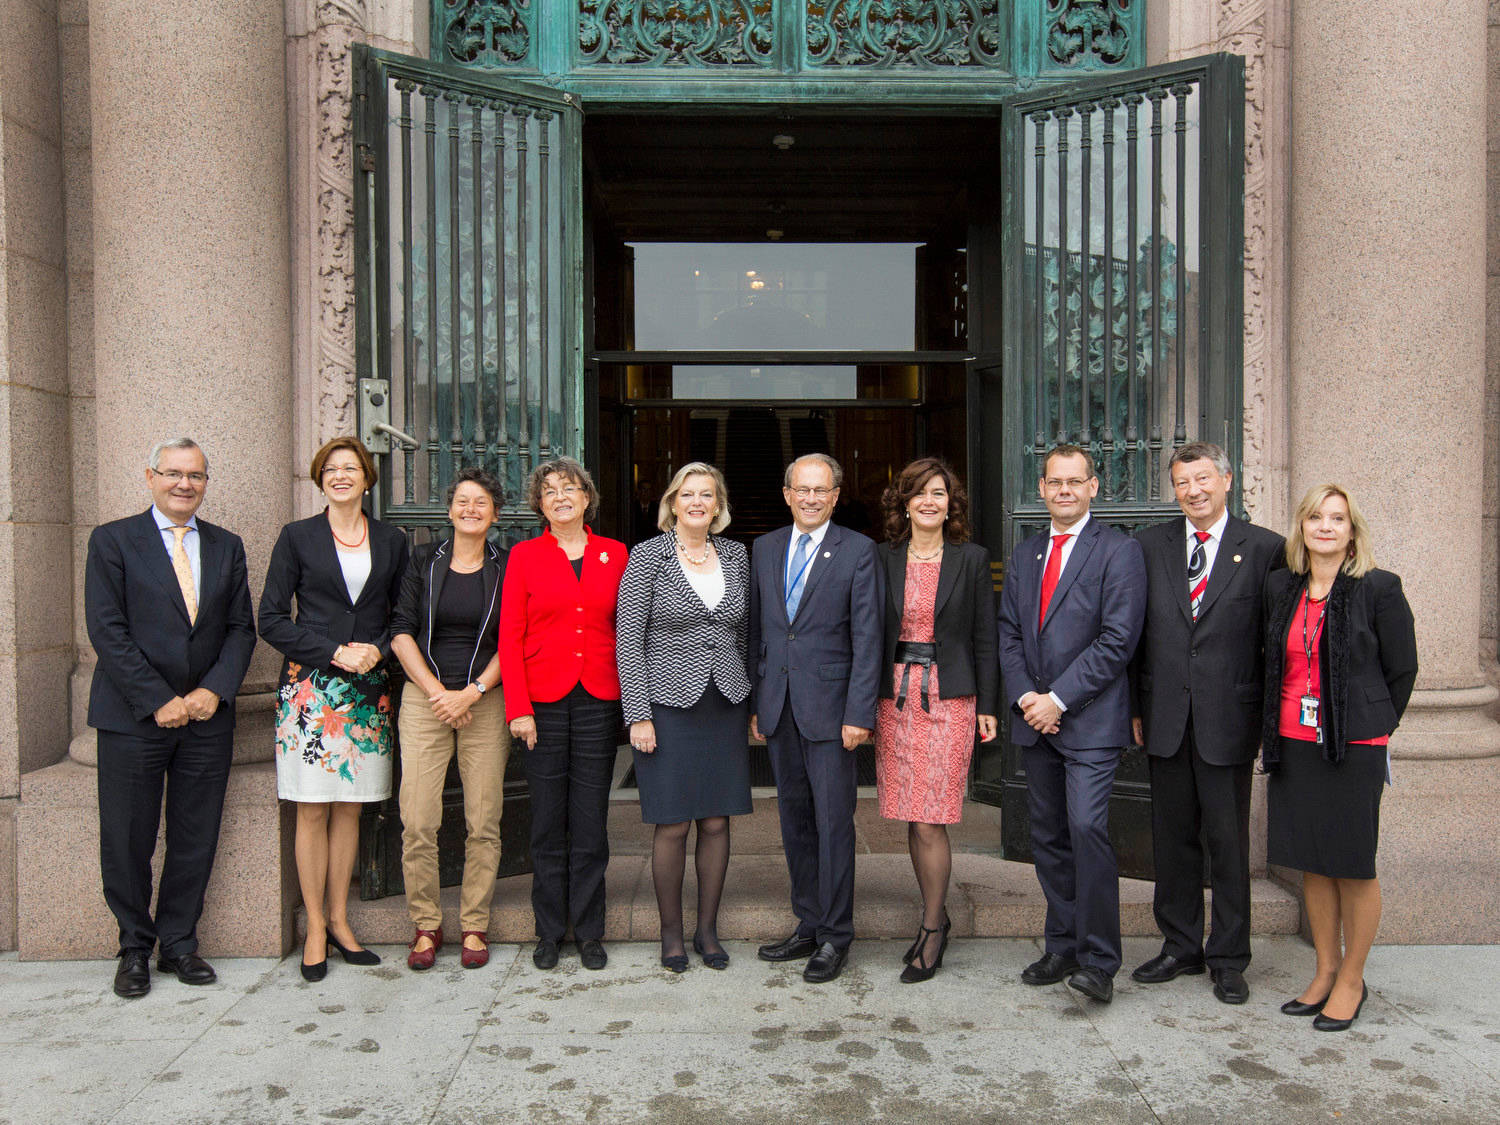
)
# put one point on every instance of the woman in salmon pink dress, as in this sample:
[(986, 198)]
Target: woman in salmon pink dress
[(943, 682)]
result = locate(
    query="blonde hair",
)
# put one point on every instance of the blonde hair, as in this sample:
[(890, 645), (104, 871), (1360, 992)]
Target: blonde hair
[(666, 518), (1361, 558)]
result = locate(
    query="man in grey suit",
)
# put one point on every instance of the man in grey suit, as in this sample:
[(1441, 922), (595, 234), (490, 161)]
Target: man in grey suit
[(1199, 678), (816, 593)]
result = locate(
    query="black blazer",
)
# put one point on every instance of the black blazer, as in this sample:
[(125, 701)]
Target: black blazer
[(305, 564), (422, 586), (138, 625), (1367, 658), (1211, 668), (962, 627)]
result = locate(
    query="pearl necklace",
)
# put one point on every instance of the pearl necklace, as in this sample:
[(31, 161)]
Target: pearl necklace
[(701, 560)]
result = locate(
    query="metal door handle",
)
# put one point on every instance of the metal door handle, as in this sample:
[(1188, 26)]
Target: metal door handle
[(402, 436)]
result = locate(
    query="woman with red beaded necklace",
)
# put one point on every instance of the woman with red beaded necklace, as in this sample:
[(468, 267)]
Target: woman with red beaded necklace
[(333, 715)]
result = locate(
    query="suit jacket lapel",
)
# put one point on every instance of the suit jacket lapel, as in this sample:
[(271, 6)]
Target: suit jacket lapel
[(948, 569), (150, 546), (1176, 563), (1077, 559), (895, 575), (327, 553), (210, 563), (377, 563), (1225, 566), (821, 559), (777, 593)]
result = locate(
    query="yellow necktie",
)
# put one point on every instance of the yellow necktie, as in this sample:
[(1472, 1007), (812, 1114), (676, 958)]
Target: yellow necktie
[(184, 571)]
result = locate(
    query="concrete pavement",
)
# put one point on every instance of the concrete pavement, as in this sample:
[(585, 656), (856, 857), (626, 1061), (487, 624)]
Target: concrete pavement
[(632, 1043)]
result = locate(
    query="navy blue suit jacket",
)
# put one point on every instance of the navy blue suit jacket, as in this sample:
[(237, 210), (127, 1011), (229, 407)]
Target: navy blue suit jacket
[(825, 663), (1083, 650), (138, 624)]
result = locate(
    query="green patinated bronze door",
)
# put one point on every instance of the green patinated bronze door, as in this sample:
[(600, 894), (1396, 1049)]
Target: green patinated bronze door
[(1121, 232), (469, 287)]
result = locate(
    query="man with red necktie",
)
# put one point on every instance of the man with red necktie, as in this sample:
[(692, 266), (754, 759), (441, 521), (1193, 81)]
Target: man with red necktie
[(1070, 616), (1198, 677)]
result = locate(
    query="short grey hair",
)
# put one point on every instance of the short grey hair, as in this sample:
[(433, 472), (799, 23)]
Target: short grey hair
[(1200, 451), (666, 517), (153, 459), (833, 467)]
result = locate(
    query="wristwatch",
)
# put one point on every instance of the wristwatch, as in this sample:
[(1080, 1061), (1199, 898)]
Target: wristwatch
[(479, 687)]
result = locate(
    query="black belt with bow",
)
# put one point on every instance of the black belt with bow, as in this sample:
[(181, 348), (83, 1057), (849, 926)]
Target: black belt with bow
[(907, 654)]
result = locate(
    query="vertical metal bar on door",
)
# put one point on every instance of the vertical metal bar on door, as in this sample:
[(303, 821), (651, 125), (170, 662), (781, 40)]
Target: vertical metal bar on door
[(1180, 94), (1085, 299), (1153, 397), (455, 301), (1107, 443), (523, 333), (476, 182), (430, 96), (501, 440), (1039, 123), (1062, 113), (547, 307), (408, 300)]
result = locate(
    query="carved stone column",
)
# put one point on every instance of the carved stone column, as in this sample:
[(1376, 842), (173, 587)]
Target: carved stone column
[(1387, 248)]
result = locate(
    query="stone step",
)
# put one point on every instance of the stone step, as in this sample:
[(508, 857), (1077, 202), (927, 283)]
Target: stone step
[(989, 897)]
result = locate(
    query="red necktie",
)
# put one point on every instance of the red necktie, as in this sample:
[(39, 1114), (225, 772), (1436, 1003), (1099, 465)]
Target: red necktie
[(1050, 575), (1198, 572)]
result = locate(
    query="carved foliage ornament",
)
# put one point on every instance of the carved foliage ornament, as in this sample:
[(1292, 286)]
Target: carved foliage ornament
[(1088, 32), (901, 33), (487, 33), (696, 33)]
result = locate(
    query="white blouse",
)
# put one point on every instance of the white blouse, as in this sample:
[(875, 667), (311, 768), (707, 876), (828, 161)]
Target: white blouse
[(356, 568), (709, 585)]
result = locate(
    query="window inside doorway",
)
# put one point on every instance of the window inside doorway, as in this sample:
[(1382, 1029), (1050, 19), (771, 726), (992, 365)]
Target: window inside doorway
[(799, 296)]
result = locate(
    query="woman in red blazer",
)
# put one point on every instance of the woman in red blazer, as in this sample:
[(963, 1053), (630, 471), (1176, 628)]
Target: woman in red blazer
[(562, 697)]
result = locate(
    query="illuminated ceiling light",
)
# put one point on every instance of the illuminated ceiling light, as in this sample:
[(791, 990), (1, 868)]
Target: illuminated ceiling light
[(783, 141), (775, 235), (757, 284), (749, 273)]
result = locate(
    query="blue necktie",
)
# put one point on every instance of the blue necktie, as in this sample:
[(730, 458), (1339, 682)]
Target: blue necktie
[(797, 575)]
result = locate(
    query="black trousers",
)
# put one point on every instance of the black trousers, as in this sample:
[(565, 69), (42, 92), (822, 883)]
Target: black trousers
[(816, 787), (569, 771), (1191, 800), (1067, 795), (194, 770)]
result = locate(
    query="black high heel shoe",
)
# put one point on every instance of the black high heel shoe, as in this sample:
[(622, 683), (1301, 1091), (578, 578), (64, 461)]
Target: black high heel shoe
[(917, 969), (353, 956), (1295, 1007), (719, 960), (674, 962), (1327, 1023), (911, 950)]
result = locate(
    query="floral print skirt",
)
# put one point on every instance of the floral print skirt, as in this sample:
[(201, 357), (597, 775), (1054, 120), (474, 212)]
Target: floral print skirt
[(333, 735)]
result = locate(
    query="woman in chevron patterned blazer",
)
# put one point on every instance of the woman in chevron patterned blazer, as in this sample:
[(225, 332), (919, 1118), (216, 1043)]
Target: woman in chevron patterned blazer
[(680, 629)]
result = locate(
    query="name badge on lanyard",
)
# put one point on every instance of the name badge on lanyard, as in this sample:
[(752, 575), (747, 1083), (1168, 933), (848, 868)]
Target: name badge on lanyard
[(1308, 714)]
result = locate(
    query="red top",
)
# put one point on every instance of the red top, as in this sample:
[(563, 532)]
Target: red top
[(557, 630), (1302, 677)]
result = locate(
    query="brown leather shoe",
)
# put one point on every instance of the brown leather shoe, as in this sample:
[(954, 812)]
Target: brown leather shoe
[(420, 959), (474, 958)]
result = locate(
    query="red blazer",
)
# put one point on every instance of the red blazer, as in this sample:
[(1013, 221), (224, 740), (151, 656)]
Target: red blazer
[(557, 631)]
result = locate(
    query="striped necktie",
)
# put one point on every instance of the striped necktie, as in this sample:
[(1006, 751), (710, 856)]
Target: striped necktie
[(1198, 572), (797, 575)]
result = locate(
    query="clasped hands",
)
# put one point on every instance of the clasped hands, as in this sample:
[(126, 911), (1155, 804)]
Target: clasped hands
[(356, 657), (453, 707), (1041, 713), (196, 706)]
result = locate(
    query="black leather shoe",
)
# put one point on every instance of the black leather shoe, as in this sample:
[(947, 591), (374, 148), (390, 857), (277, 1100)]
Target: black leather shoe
[(592, 954), (1164, 967), (1049, 969), (190, 968), (793, 948), (1093, 983), (544, 956), (1230, 986), (1322, 1022), (1295, 1007), (826, 964), (133, 977), (315, 972)]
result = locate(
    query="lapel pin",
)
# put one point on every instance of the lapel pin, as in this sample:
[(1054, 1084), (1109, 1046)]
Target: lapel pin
[(1039, 558), (828, 554), (604, 556), (1236, 558)]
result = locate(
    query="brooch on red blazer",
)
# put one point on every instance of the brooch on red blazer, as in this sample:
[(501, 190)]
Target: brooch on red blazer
[(603, 557)]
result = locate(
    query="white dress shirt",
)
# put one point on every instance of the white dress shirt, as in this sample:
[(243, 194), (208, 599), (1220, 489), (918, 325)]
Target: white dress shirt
[(1211, 544), (189, 544), (812, 553), (1067, 553)]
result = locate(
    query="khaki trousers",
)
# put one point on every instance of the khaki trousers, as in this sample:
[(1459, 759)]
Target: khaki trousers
[(427, 745)]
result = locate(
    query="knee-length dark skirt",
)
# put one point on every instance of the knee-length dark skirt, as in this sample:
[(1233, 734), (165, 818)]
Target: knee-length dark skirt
[(701, 766), (1325, 817)]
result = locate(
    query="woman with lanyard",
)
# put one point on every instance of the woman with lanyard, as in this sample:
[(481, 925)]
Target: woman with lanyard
[(446, 632), (1341, 658)]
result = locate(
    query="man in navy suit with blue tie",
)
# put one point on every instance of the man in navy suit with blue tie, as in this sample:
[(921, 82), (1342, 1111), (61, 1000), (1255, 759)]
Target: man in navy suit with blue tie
[(1071, 614), (816, 593), (167, 604)]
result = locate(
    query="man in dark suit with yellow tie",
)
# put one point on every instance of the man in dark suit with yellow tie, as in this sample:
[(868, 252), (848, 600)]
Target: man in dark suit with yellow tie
[(1199, 675), (167, 603)]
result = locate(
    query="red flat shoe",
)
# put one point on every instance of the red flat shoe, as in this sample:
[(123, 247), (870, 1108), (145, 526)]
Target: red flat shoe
[(420, 959), (474, 958)]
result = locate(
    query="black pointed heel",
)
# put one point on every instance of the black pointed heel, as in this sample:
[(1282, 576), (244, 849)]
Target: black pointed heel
[(353, 956), (911, 950), (1295, 1007), (917, 969), (1327, 1023)]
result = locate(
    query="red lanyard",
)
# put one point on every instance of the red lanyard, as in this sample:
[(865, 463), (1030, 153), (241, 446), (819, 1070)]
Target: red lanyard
[(1310, 647)]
